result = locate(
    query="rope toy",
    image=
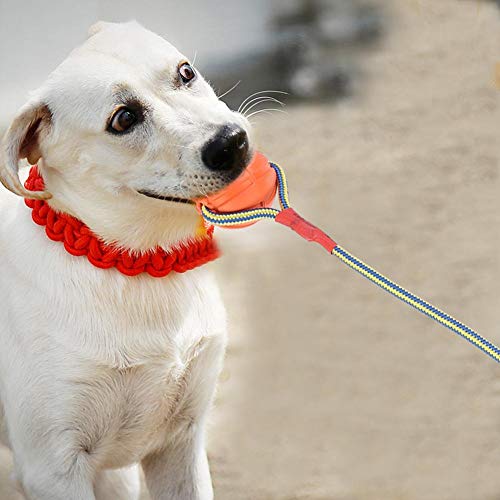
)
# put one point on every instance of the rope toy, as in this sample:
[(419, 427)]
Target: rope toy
[(212, 210)]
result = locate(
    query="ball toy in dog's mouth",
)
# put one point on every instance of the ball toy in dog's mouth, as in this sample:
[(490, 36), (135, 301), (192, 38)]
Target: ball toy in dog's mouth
[(254, 188)]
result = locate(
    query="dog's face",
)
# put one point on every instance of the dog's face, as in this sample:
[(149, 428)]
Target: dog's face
[(129, 116)]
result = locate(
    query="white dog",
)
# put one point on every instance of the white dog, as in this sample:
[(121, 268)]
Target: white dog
[(101, 372)]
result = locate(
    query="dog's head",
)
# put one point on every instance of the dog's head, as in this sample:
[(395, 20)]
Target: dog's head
[(126, 125)]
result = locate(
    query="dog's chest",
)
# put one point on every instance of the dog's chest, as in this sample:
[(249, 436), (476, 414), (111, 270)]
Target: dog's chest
[(165, 359), (155, 373), (131, 412)]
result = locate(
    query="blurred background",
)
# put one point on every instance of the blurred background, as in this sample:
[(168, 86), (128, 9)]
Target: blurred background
[(331, 388)]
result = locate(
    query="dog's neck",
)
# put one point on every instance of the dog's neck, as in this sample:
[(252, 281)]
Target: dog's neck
[(124, 218)]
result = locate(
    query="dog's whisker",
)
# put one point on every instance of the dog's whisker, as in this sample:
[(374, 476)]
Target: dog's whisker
[(264, 110), (242, 109), (267, 99), (260, 92), (263, 92), (251, 99), (259, 100), (194, 57), (230, 90)]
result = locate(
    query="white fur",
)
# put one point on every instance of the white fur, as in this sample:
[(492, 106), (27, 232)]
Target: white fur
[(100, 371)]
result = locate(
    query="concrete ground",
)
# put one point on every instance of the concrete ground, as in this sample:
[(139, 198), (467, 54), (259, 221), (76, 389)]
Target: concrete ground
[(332, 389)]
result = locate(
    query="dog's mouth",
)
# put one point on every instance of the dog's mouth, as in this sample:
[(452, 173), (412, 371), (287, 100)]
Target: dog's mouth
[(173, 199), (224, 181)]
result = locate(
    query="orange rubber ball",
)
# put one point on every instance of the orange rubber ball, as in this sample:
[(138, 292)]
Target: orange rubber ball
[(254, 188)]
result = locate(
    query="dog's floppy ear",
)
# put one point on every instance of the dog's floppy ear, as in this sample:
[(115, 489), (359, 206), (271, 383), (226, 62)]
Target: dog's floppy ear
[(22, 140)]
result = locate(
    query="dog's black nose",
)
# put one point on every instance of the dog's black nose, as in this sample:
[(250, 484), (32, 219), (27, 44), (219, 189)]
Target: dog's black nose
[(227, 150)]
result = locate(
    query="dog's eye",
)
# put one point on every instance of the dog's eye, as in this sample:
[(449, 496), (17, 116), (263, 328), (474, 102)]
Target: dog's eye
[(122, 120), (187, 73)]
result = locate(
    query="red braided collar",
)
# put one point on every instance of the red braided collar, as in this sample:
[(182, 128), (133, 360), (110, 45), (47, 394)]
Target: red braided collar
[(79, 240)]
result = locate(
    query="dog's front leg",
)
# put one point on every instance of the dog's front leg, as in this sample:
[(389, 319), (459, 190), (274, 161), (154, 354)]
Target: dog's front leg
[(39, 481), (50, 462), (180, 471)]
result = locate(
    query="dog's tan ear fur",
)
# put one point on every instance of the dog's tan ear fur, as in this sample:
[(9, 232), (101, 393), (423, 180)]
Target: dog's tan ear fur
[(22, 140)]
